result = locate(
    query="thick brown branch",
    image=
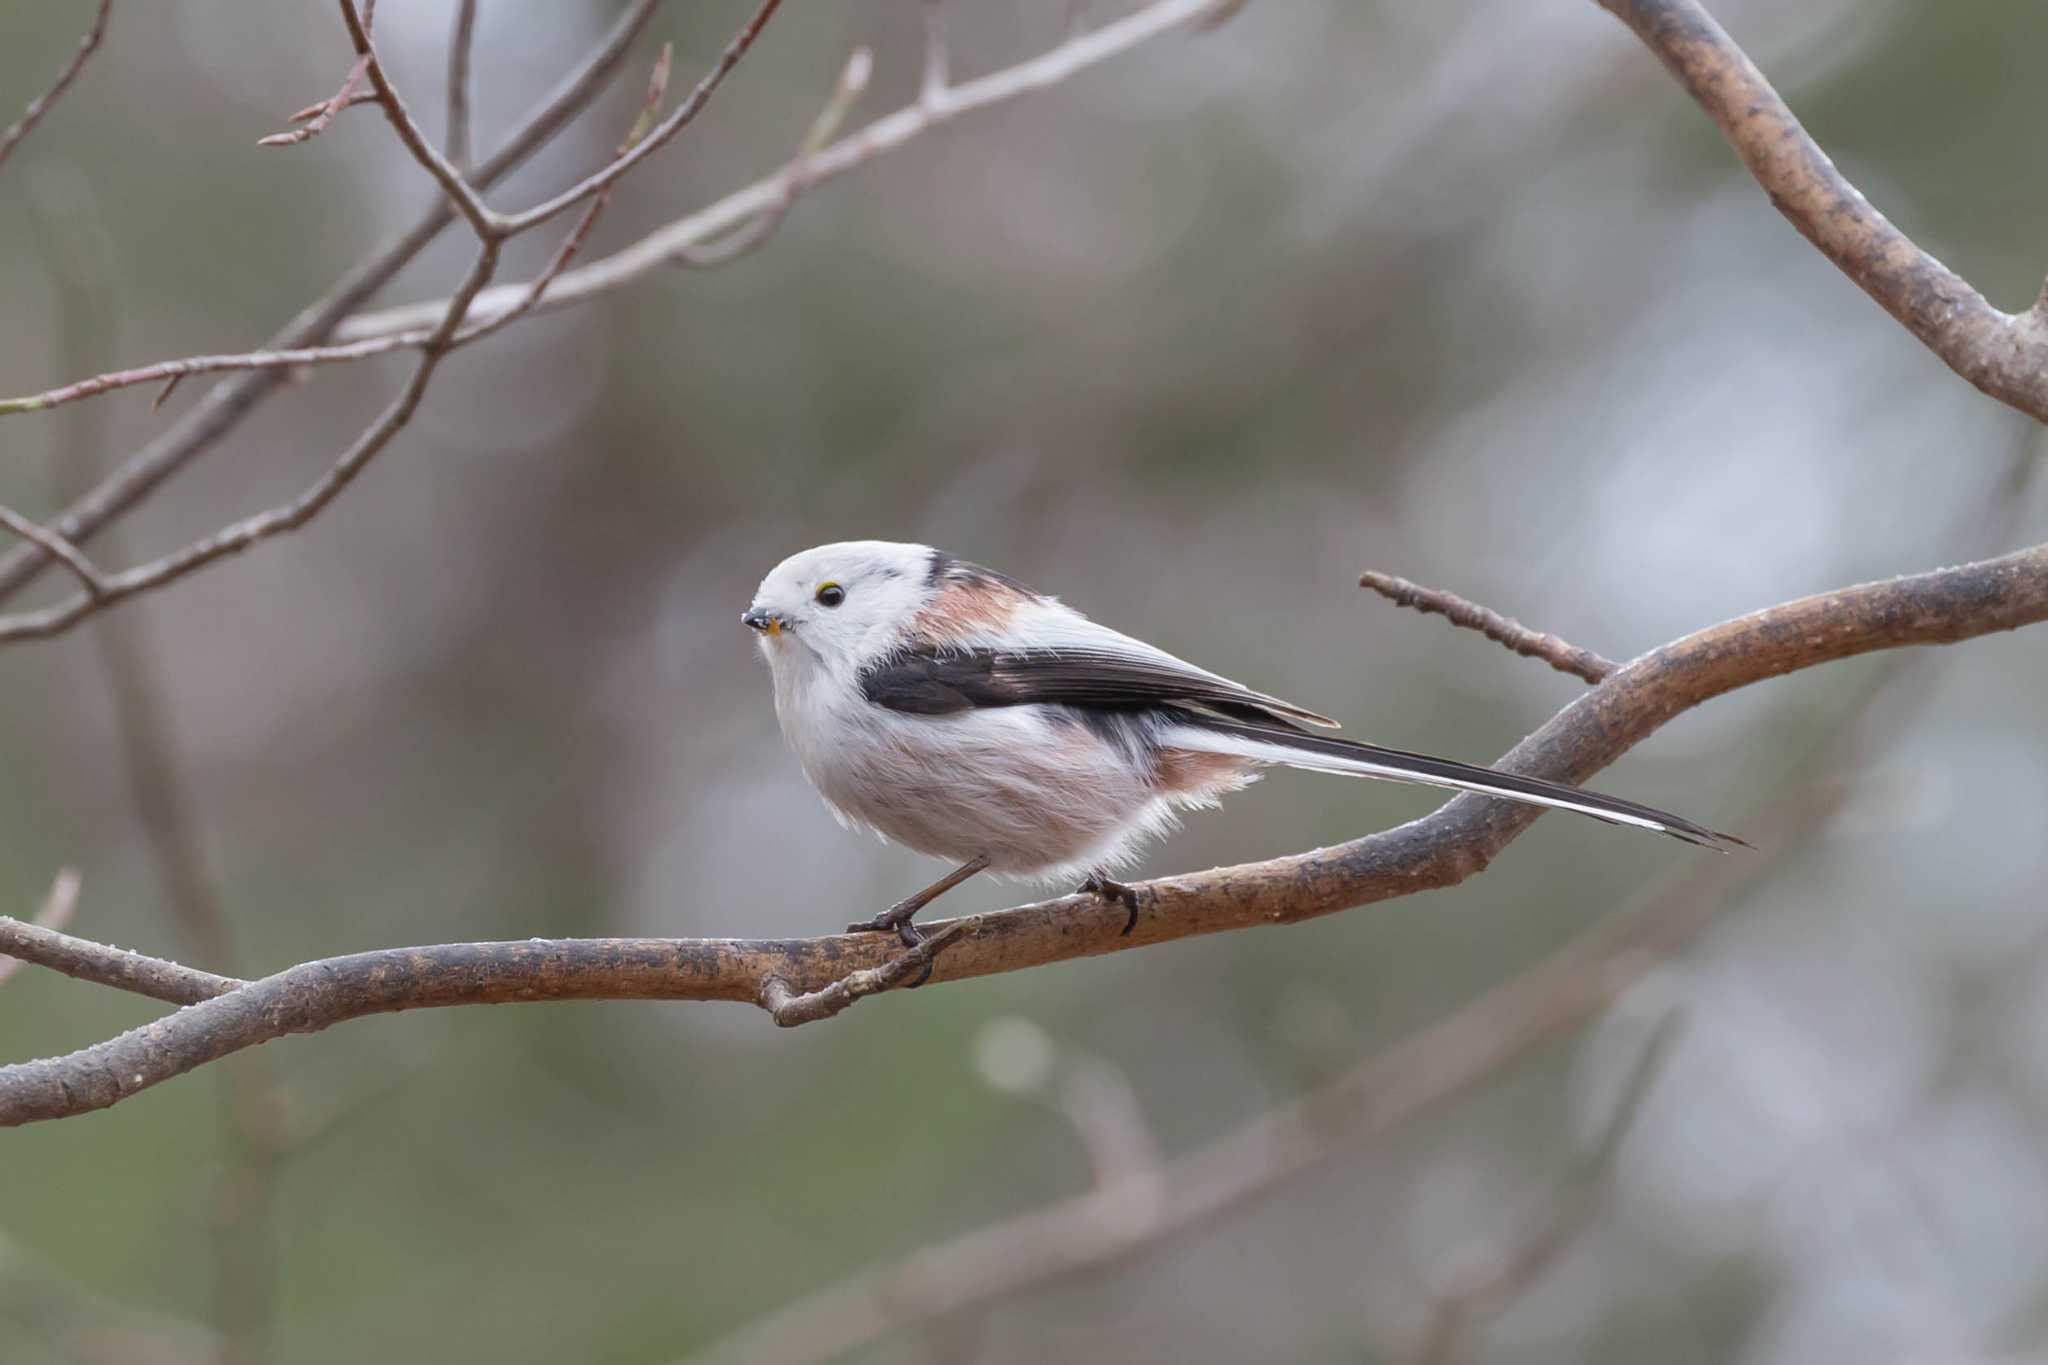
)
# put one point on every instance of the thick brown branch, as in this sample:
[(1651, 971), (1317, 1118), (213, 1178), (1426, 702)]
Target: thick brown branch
[(40, 105), (1561, 655), (1439, 850), (2003, 354)]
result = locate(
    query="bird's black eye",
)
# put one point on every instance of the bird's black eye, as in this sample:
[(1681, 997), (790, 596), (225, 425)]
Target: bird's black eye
[(830, 594)]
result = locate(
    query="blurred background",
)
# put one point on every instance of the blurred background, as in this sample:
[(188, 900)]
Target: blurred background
[(1467, 293)]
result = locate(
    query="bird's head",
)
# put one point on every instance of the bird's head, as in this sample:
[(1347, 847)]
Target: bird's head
[(843, 605)]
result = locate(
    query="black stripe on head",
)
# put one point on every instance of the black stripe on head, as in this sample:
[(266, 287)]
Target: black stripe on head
[(947, 571)]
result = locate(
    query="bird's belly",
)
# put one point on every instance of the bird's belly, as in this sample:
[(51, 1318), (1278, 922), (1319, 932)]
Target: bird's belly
[(1031, 795)]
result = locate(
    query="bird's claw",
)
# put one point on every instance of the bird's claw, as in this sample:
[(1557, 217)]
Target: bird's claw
[(897, 920), (1109, 890)]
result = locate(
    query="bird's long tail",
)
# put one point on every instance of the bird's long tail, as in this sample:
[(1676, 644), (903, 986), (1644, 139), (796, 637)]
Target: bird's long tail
[(1323, 753)]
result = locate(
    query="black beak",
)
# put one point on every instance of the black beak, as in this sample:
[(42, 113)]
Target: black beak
[(758, 619)]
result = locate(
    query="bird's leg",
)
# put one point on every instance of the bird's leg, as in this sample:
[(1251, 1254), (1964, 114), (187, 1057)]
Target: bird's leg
[(897, 917), (1100, 883)]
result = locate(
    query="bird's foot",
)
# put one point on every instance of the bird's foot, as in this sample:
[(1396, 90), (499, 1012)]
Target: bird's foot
[(897, 920), (1127, 896)]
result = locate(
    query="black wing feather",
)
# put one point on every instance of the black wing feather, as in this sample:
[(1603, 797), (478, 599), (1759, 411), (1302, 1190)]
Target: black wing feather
[(932, 683)]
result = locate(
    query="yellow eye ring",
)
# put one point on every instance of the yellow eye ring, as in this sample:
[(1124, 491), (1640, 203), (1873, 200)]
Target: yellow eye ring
[(830, 594)]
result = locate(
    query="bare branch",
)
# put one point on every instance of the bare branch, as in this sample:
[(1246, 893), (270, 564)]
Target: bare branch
[(227, 404), (460, 44), (54, 914), (484, 220), (41, 104), (241, 535), (2005, 355), (316, 117), (1458, 841), (85, 960), (853, 80), (669, 244), (654, 141), (932, 85), (1530, 644), (60, 549), (716, 236), (790, 1007)]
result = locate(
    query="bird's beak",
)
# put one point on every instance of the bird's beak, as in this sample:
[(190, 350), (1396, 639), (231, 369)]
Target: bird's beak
[(763, 620)]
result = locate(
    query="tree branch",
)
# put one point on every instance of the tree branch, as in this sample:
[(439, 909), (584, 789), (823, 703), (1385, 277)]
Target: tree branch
[(228, 403), (669, 244), (460, 44), (1442, 849), (104, 965), (1530, 644), (41, 104), (240, 535), (54, 913), (2003, 354)]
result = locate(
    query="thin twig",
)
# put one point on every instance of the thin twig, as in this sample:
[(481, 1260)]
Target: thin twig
[(655, 140), (227, 404), (314, 118), (1530, 644), (650, 107), (240, 535), (790, 1007), (853, 80), (932, 85), (1454, 843), (59, 549), (42, 103), (459, 45), (665, 245), (53, 915), (84, 960), (714, 236), (360, 97), (484, 220)]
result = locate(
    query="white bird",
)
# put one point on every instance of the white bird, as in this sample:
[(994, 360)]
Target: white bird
[(955, 711)]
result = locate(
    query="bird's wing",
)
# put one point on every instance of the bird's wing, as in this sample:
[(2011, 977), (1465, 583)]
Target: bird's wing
[(1098, 668)]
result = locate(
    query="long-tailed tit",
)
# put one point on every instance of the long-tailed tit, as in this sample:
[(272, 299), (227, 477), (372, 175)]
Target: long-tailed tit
[(957, 712)]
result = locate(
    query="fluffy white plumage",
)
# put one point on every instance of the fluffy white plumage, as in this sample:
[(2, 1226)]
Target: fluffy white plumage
[(956, 712)]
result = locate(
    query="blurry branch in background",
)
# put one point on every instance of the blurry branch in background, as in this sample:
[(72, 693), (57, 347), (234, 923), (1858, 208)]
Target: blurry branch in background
[(83, 260), (1442, 849), (224, 407), (40, 105), (492, 230), (460, 44), (713, 236), (1530, 644), (750, 236), (2003, 354), (1488, 1276), (54, 914), (666, 244), (1150, 1207), (79, 1324)]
